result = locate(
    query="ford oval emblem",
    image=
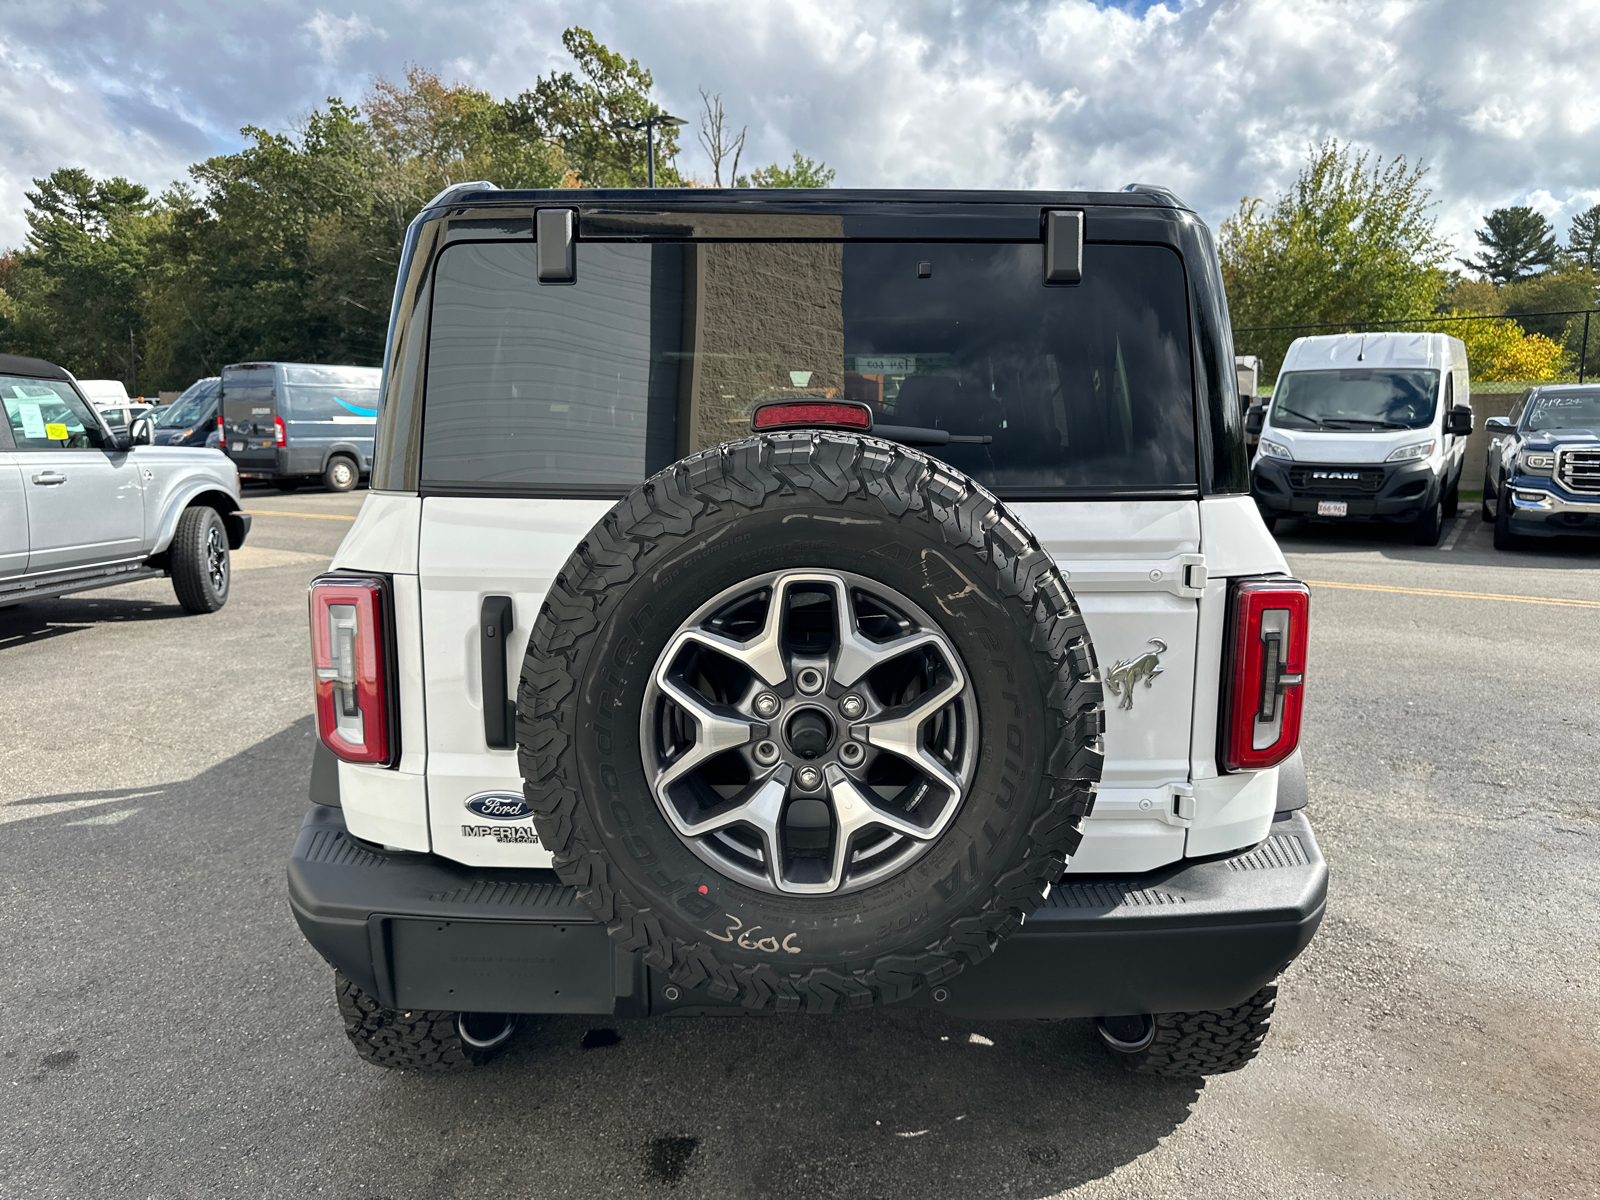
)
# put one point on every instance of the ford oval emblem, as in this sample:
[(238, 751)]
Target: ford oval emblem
[(499, 806)]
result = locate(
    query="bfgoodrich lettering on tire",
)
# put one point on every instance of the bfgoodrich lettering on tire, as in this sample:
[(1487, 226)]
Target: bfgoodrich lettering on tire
[(811, 721)]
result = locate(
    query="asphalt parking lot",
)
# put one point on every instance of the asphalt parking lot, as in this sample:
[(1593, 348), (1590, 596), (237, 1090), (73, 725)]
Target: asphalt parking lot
[(169, 1034)]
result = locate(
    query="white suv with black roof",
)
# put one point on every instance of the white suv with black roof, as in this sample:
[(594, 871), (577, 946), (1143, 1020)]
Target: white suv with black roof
[(775, 602)]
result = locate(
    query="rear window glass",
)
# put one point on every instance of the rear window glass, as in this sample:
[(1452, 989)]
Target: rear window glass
[(665, 348)]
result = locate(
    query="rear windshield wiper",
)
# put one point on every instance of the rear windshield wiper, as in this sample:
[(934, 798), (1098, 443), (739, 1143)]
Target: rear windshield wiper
[(914, 435)]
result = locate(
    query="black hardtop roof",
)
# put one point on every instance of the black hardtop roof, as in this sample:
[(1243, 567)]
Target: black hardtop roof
[(815, 200), (36, 368)]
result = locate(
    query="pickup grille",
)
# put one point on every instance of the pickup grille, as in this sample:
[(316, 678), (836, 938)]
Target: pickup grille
[(1579, 471), (1335, 479)]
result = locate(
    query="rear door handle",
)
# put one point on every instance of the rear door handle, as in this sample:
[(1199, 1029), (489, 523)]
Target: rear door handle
[(49, 477), (499, 714)]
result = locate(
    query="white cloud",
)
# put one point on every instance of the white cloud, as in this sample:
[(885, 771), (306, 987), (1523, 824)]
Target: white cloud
[(1217, 99), (334, 34)]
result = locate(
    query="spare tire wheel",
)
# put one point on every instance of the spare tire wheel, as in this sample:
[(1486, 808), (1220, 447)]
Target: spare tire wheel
[(811, 721)]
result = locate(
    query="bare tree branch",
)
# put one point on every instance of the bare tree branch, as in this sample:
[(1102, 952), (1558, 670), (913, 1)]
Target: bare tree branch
[(715, 137)]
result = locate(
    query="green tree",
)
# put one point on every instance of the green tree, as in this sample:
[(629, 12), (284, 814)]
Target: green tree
[(1583, 238), (76, 290), (1515, 241), (800, 173), (1348, 242), (582, 113)]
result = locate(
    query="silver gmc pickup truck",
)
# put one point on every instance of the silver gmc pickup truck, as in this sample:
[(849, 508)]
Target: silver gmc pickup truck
[(792, 602)]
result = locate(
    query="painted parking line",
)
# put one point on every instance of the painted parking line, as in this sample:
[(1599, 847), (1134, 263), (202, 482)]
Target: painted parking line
[(1455, 534), (272, 512), (1555, 601)]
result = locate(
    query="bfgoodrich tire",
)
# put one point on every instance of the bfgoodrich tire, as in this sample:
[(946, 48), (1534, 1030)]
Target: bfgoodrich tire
[(803, 537), (419, 1040), (201, 568), (1192, 1043)]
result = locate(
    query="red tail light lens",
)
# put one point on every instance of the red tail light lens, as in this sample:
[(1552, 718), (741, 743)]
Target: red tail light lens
[(793, 414), (1262, 692), (349, 650), (221, 430), (282, 439)]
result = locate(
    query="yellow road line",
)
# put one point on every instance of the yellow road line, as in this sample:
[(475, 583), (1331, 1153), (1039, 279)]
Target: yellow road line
[(270, 512), (1556, 601)]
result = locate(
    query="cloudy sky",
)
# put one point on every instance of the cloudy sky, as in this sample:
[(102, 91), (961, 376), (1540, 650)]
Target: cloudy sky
[(1217, 99)]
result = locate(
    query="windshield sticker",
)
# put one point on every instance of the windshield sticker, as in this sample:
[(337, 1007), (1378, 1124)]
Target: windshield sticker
[(55, 432), (32, 422)]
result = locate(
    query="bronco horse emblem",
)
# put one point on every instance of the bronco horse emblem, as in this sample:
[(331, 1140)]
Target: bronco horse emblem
[(1123, 675)]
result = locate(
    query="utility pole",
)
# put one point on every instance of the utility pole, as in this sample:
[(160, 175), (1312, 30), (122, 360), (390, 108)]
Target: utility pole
[(1583, 355), (133, 363), (649, 126)]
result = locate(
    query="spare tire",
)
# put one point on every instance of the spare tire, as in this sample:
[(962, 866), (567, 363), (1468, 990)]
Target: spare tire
[(811, 721)]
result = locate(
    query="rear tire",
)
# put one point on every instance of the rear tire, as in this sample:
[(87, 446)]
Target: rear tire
[(1192, 1043), (1427, 528), (341, 474), (418, 1040), (201, 568)]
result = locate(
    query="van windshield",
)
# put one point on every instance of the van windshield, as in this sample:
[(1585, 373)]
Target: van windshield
[(188, 409), (1353, 400), (662, 349)]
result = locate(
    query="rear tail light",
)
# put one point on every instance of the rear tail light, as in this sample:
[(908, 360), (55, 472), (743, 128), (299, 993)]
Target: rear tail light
[(282, 439), (799, 414), (1265, 677), (350, 651), (222, 435)]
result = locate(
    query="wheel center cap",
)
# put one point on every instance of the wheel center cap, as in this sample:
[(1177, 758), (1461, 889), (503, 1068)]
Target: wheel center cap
[(809, 732)]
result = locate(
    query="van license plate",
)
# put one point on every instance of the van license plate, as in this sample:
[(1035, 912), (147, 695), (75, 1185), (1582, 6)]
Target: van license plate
[(1333, 508), (238, 446)]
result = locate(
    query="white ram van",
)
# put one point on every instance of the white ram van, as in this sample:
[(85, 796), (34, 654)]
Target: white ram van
[(777, 602), (1365, 426)]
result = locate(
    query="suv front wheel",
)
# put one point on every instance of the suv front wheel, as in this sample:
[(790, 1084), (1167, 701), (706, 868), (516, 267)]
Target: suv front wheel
[(201, 568)]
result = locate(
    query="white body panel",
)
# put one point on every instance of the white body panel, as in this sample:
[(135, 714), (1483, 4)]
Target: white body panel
[(1139, 570)]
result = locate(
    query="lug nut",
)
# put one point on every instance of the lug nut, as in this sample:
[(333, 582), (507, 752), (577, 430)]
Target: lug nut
[(766, 704), (809, 681), (766, 753), (808, 778), (852, 706), (851, 754)]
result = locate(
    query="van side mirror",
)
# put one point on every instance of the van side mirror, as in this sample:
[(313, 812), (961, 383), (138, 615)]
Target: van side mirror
[(1499, 426), (1459, 420), (1255, 419), (142, 432)]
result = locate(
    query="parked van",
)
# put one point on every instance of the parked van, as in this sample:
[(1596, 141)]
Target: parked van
[(292, 423), (1365, 426), (192, 417)]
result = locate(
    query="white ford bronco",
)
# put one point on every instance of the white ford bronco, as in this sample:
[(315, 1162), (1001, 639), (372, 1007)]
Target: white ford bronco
[(793, 602)]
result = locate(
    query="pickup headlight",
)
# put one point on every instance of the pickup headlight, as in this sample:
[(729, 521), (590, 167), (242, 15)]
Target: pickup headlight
[(1412, 452), (1275, 450), (1538, 464)]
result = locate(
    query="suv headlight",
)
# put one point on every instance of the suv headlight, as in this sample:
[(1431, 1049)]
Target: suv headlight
[(1275, 449), (1539, 463), (1412, 452)]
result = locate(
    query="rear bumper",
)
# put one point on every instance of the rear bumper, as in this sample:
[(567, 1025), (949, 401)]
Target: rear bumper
[(420, 932)]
